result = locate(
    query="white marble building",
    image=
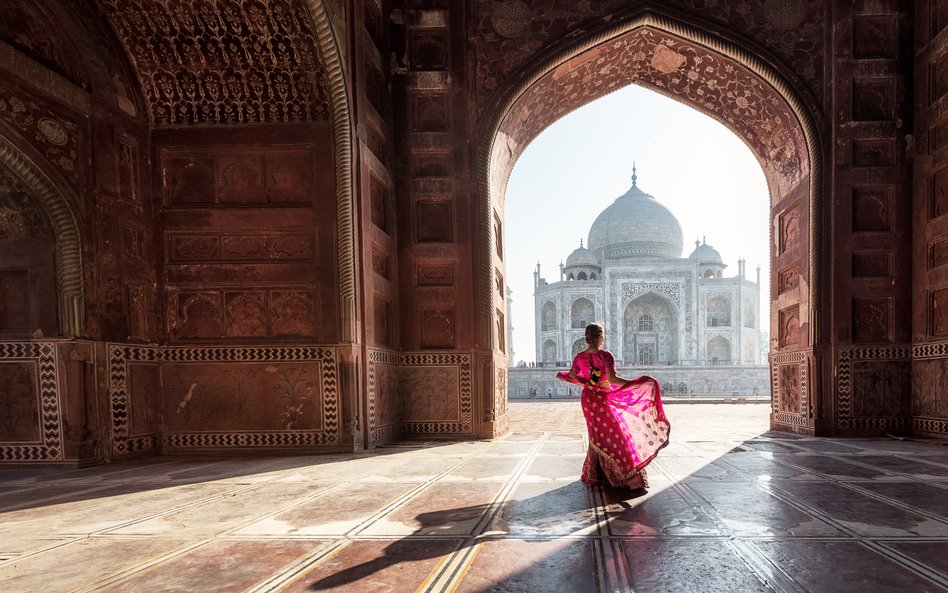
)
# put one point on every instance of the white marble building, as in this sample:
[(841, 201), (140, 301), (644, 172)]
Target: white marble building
[(658, 308)]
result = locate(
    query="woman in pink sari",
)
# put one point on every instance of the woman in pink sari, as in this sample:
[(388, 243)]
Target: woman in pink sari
[(626, 422)]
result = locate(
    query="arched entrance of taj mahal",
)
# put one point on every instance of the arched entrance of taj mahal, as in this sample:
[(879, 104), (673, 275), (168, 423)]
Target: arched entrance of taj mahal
[(758, 102)]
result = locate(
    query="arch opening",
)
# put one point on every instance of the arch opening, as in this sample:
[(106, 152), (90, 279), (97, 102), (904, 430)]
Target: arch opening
[(759, 103)]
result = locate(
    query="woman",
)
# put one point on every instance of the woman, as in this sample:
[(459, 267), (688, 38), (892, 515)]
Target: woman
[(626, 422)]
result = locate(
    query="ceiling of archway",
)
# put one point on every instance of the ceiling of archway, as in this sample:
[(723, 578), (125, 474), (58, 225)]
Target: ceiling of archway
[(709, 82), (28, 27), (223, 61)]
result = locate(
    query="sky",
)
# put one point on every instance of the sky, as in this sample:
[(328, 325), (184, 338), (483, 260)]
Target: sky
[(578, 166)]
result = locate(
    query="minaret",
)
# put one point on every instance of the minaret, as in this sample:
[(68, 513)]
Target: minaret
[(562, 267), (536, 276)]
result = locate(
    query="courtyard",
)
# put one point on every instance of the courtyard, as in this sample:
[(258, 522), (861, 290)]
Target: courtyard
[(732, 507)]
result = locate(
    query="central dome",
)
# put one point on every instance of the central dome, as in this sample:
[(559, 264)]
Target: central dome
[(635, 225)]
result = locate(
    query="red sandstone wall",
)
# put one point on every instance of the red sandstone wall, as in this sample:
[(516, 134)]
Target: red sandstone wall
[(930, 221)]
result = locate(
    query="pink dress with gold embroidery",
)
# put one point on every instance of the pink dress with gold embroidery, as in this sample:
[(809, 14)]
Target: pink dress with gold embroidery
[(627, 427)]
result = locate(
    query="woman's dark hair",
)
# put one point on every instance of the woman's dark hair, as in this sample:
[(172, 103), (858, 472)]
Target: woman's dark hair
[(594, 331)]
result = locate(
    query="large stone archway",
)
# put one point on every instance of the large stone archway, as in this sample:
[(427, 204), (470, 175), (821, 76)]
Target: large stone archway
[(726, 80), (71, 321)]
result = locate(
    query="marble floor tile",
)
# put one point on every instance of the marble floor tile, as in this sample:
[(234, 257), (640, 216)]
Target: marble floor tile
[(688, 566), (518, 566), (389, 566), (732, 506), (842, 567)]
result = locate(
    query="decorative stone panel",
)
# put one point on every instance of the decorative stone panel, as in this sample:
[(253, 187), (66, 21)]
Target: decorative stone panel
[(225, 397), (257, 64), (31, 404), (438, 393), (873, 388)]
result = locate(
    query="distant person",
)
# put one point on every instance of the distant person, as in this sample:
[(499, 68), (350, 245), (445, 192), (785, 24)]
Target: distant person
[(533, 392), (549, 393), (625, 419)]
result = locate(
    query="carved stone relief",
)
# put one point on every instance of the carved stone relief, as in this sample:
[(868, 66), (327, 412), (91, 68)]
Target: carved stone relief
[(939, 312), (56, 137), (238, 176), (873, 152), (868, 264), (430, 113), (789, 388), (880, 388), (940, 192), (789, 229), (788, 279), (440, 274), (938, 253), (431, 164), (429, 49), (873, 100), (239, 63), (871, 319), (875, 36), (789, 327), (871, 206), (438, 328), (434, 221)]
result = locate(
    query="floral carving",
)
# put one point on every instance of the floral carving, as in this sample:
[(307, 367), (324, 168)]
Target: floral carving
[(225, 62)]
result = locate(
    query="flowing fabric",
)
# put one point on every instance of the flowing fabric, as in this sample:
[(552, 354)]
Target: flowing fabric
[(627, 426)]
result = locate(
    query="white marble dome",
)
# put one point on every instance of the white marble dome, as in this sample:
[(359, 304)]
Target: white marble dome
[(582, 257), (705, 254), (635, 225)]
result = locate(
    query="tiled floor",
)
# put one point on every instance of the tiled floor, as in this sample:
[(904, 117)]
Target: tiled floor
[(732, 508)]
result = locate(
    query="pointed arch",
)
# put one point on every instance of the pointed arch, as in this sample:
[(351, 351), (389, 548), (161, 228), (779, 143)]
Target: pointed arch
[(329, 55), (66, 231), (499, 148)]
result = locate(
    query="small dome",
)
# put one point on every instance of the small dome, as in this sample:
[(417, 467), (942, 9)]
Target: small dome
[(582, 257), (705, 254), (636, 225)]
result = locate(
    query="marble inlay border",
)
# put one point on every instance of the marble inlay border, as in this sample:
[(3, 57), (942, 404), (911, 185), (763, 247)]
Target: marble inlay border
[(844, 386), (938, 350), (121, 354), (49, 448), (120, 410)]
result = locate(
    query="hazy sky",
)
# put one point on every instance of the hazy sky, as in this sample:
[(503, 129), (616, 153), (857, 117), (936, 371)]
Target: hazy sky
[(577, 167)]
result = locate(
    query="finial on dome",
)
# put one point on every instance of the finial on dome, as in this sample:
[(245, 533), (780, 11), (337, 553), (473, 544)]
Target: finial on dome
[(697, 243), (704, 239), (580, 243), (634, 176)]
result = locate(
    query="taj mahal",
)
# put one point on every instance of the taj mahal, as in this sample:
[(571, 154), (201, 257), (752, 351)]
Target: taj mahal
[(698, 328)]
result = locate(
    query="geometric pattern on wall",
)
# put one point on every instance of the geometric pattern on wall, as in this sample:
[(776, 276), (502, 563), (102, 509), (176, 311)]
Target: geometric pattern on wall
[(120, 405), (463, 407), (327, 434), (795, 366), (41, 355), (846, 418)]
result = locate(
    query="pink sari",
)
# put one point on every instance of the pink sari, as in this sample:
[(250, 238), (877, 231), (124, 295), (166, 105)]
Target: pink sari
[(627, 427)]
